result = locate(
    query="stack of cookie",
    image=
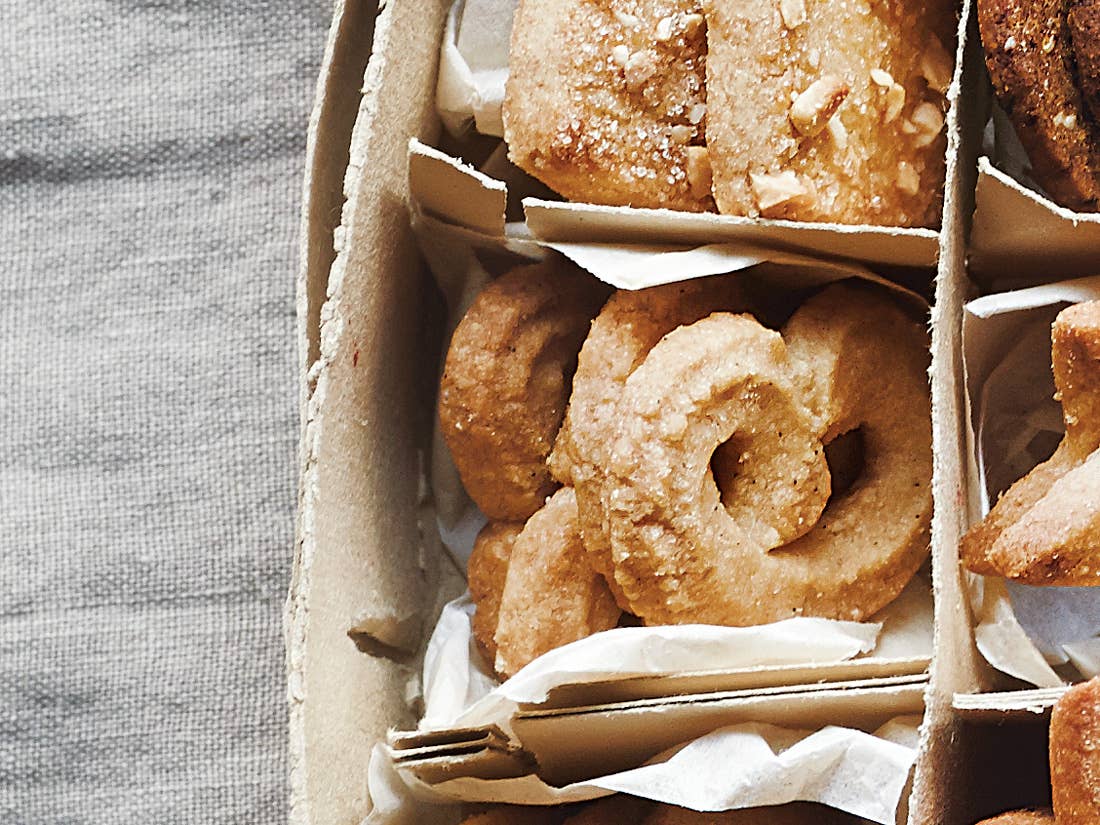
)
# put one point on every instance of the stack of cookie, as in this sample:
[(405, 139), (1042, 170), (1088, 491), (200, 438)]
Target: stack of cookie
[(707, 469)]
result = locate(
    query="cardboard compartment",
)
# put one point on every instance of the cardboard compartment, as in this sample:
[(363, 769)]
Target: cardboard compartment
[(1021, 238), (1038, 636), (369, 576), (1007, 766)]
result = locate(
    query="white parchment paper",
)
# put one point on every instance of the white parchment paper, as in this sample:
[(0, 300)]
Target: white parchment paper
[(1015, 423), (459, 691), (473, 65)]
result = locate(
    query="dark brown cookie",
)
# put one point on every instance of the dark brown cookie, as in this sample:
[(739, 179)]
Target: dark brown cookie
[(1029, 54), (1083, 19)]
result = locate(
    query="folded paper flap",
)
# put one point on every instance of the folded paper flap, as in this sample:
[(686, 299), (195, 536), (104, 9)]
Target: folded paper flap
[(641, 265), (643, 686), (1017, 703), (1021, 237), (582, 222), (567, 746), (447, 188), (532, 711), (401, 742), (485, 764)]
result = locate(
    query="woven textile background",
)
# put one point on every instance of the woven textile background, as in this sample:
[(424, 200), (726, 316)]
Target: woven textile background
[(151, 156)]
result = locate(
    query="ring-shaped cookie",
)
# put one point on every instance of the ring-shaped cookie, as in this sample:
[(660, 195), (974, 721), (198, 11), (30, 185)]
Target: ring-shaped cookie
[(624, 332), (680, 556)]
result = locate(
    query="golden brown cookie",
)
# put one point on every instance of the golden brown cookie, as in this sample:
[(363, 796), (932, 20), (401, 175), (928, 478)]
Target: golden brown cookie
[(517, 815), (682, 555), (613, 809), (866, 364), (624, 810), (834, 112), (605, 100), (624, 332), (1029, 54), (1075, 755), (506, 382), (552, 596), (795, 813), (486, 572), (1046, 528)]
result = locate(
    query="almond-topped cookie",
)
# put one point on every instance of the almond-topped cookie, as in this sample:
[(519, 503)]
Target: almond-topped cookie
[(605, 101), (829, 111)]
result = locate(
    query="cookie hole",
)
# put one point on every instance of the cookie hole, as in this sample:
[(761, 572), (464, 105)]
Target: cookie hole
[(724, 466), (845, 457)]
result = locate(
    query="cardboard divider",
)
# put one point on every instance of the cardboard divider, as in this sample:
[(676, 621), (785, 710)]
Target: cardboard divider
[(633, 688), (999, 707), (587, 223)]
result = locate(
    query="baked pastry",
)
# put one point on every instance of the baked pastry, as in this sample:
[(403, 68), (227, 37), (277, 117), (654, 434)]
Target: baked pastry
[(829, 111), (1046, 528), (506, 382), (552, 596), (1075, 755), (605, 100), (1029, 51), (681, 554), (627, 328), (1083, 20), (1037, 816), (486, 572), (620, 809), (1074, 763)]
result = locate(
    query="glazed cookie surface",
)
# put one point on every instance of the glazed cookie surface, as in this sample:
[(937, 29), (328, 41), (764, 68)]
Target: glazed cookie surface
[(605, 100)]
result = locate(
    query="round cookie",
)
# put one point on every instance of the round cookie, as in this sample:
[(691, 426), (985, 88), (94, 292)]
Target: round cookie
[(486, 572), (681, 556), (506, 382), (605, 100), (1074, 758), (624, 332), (552, 596), (1083, 19), (821, 111)]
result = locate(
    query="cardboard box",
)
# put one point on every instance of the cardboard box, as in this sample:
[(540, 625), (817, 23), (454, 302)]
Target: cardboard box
[(368, 577)]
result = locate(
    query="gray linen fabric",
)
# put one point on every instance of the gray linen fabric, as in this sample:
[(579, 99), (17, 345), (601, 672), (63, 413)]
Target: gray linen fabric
[(151, 156)]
